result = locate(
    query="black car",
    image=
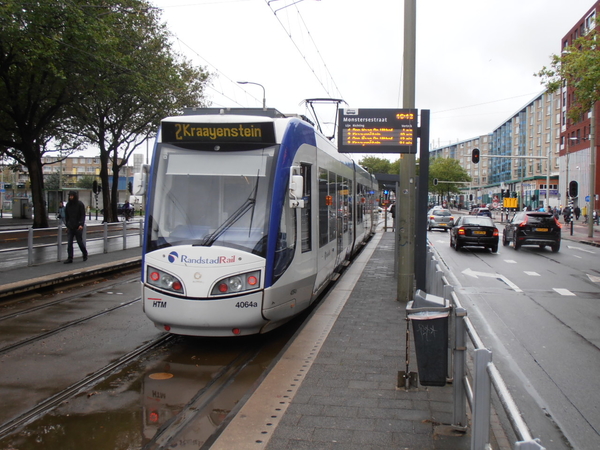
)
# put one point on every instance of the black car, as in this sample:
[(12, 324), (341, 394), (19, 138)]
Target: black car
[(474, 231), (533, 228)]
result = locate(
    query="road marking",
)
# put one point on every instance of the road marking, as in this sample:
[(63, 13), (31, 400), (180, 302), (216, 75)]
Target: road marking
[(581, 249), (593, 278), (532, 274), (474, 274), (510, 261), (565, 292)]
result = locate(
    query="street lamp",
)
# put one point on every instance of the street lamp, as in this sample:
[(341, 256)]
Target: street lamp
[(263, 88)]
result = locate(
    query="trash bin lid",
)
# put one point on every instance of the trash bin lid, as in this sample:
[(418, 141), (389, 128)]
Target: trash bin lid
[(428, 315)]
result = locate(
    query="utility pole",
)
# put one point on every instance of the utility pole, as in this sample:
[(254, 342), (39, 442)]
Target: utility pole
[(406, 195)]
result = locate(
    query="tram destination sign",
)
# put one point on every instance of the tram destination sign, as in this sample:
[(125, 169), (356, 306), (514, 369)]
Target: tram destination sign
[(377, 130), (218, 133)]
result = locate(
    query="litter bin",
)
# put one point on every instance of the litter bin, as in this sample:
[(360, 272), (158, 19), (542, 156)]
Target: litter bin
[(428, 315)]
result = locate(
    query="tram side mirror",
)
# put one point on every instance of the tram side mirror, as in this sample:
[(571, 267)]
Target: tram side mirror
[(296, 191), (140, 181)]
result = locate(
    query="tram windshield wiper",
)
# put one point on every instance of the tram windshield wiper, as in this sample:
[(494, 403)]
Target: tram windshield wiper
[(250, 202)]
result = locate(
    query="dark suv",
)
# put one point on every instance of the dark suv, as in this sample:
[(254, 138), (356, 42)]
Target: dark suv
[(533, 228)]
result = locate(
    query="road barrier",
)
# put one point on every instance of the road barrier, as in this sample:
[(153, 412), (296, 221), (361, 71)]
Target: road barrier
[(485, 373)]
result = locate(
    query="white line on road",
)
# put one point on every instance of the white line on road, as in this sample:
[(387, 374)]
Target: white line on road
[(510, 261), (532, 274), (474, 274), (581, 249), (593, 278), (565, 292)]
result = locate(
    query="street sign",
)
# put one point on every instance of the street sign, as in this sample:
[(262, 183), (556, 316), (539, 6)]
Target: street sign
[(587, 198), (377, 130)]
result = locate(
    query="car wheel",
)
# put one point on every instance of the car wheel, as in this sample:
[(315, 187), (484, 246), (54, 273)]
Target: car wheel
[(517, 245), (457, 245), (505, 241), (556, 247), (494, 248)]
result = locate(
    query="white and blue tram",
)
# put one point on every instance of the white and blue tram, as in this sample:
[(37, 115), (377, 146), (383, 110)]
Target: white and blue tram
[(250, 214)]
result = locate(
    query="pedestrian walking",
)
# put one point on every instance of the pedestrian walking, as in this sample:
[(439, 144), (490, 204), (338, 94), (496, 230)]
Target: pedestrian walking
[(74, 220), (577, 212), (60, 215)]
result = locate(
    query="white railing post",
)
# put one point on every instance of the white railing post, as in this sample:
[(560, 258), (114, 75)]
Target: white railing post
[(482, 391)]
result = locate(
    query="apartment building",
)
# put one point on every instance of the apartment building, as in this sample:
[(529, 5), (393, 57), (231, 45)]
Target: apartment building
[(520, 156)]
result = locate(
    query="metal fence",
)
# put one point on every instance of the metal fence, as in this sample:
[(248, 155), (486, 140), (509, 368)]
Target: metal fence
[(475, 389), (107, 233)]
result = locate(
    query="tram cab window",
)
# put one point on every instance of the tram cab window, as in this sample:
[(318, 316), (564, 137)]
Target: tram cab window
[(202, 198)]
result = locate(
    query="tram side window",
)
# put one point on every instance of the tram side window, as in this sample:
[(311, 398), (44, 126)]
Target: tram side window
[(305, 213), (360, 206), (323, 208), (333, 208)]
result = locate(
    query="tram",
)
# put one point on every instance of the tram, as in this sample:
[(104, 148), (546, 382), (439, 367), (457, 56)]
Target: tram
[(250, 214)]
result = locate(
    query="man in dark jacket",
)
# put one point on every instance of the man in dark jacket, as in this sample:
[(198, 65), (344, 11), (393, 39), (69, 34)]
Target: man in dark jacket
[(74, 220)]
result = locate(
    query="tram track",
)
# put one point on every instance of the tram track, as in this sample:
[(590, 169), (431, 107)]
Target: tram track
[(172, 430), (69, 298), (51, 402), (64, 327)]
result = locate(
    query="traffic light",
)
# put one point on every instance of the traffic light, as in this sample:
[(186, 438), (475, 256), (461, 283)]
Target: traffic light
[(95, 187), (502, 193), (475, 156), (573, 188), (130, 187)]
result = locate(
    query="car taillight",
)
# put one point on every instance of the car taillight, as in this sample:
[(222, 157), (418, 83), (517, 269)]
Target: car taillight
[(557, 223), (524, 222), (461, 231), (495, 231)]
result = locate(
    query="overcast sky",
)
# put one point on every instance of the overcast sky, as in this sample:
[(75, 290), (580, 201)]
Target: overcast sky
[(475, 58)]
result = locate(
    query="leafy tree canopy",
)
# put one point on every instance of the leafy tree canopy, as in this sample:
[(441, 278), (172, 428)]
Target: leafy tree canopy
[(579, 66), (447, 170)]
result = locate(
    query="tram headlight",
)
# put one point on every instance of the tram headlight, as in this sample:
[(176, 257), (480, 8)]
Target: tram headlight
[(164, 281), (237, 283)]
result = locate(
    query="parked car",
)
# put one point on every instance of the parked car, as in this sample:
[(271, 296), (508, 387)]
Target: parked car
[(439, 218), (474, 231), (533, 228)]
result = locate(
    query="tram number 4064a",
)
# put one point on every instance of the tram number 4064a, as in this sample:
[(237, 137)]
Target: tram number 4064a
[(246, 305)]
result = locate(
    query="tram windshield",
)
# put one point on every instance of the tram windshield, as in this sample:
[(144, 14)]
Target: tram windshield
[(208, 198)]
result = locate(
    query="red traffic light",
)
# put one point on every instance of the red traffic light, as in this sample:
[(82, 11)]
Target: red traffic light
[(475, 156)]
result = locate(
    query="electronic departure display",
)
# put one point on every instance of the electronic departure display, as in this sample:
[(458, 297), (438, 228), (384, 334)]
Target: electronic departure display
[(377, 130)]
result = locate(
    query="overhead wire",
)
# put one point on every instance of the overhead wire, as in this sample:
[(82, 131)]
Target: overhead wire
[(302, 54)]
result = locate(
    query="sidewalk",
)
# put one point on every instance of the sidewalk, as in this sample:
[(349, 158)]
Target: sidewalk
[(335, 387)]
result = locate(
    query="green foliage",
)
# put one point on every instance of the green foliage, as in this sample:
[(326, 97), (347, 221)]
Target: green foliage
[(579, 66), (86, 182), (73, 72), (447, 170)]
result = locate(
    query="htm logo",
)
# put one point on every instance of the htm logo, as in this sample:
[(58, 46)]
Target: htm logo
[(173, 257)]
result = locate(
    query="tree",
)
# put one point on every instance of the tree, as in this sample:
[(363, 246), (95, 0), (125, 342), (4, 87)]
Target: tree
[(579, 66), (447, 170), (142, 81), (375, 165), (41, 71)]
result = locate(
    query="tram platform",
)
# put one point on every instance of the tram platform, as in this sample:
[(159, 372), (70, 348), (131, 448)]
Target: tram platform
[(335, 385)]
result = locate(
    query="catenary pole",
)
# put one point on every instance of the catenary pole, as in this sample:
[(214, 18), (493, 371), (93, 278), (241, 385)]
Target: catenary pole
[(405, 197)]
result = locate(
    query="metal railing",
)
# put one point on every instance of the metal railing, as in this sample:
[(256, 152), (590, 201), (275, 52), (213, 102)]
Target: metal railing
[(109, 232), (485, 373)]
